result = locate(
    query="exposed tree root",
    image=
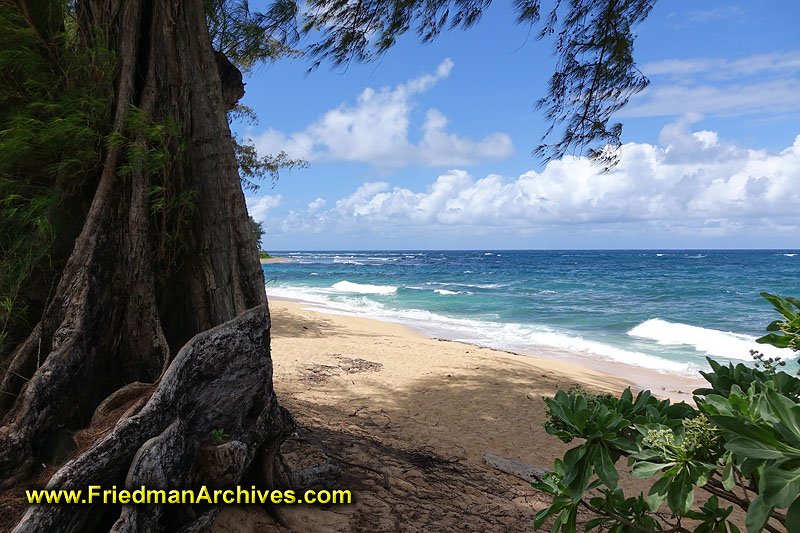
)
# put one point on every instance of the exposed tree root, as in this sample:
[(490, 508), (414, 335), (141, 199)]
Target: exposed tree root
[(221, 379)]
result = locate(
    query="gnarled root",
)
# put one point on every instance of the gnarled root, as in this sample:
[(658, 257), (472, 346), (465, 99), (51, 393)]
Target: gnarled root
[(220, 380)]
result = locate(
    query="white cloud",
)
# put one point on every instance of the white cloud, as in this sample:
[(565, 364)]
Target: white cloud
[(693, 183), (259, 207), (732, 15), (771, 63), (376, 130), (316, 205), (760, 84), (706, 16), (770, 97)]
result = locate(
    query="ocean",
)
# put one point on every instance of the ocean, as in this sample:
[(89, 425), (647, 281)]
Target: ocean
[(664, 310)]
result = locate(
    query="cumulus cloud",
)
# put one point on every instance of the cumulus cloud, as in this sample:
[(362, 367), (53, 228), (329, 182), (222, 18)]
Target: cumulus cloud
[(765, 84), (316, 205), (376, 130), (692, 181), (258, 207)]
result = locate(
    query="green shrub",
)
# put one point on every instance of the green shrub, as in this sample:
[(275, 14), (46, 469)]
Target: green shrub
[(740, 445)]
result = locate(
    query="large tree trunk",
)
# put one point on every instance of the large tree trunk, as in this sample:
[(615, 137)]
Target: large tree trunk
[(123, 307)]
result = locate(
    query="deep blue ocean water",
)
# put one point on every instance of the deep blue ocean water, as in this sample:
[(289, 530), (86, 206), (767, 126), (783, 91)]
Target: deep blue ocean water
[(665, 310)]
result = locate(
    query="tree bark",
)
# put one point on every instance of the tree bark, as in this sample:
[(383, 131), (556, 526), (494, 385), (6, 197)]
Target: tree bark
[(121, 312)]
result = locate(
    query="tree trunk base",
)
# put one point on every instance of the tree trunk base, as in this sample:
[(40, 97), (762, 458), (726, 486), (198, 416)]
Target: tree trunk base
[(219, 383)]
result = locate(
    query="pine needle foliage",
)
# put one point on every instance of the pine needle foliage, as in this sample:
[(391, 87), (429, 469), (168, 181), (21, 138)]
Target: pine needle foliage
[(54, 96), (595, 72), (247, 37), (254, 167)]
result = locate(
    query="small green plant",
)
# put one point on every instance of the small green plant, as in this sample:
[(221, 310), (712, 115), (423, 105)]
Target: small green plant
[(740, 445), (219, 434)]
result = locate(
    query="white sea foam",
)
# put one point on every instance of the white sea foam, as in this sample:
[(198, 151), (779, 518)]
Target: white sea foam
[(505, 336), (605, 351), (445, 292), (363, 288), (790, 255), (709, 341)]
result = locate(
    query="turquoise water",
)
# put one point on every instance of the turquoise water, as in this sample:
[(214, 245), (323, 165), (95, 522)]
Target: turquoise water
[(664, 310)]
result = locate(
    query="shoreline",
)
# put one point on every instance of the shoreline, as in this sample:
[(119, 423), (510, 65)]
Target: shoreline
[(676, 387), (267, 260), (409, 418)]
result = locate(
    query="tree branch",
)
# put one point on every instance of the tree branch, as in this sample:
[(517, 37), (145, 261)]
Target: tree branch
[(624, 521), (715, 487)]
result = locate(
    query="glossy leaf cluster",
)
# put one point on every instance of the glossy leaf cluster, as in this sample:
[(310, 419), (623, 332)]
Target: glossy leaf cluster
[(740, 445)]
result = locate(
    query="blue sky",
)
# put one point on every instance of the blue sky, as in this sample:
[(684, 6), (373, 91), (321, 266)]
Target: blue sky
[(430, 146)]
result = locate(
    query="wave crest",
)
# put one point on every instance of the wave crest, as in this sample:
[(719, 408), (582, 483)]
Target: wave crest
[(713, 342), (363, 288)]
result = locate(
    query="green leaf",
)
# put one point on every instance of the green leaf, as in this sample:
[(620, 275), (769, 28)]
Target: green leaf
[(781, 487), (757, 515), (571, 460), (728, 477), (746, 428), (775, 325), (644, 469), (680, 494), (782, 306), (624, 445), (595, 522), (779, 341), (644, 455), (570, 521), (658, 493), (750, 466), (605, 469), (699, 472), (542, 516), (583, 473), (787, 411), (793, 516), (748, 448)]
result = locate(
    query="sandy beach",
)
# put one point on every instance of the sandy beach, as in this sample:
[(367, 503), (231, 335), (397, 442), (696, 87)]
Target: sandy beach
[(267, 260), (410, 418)]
